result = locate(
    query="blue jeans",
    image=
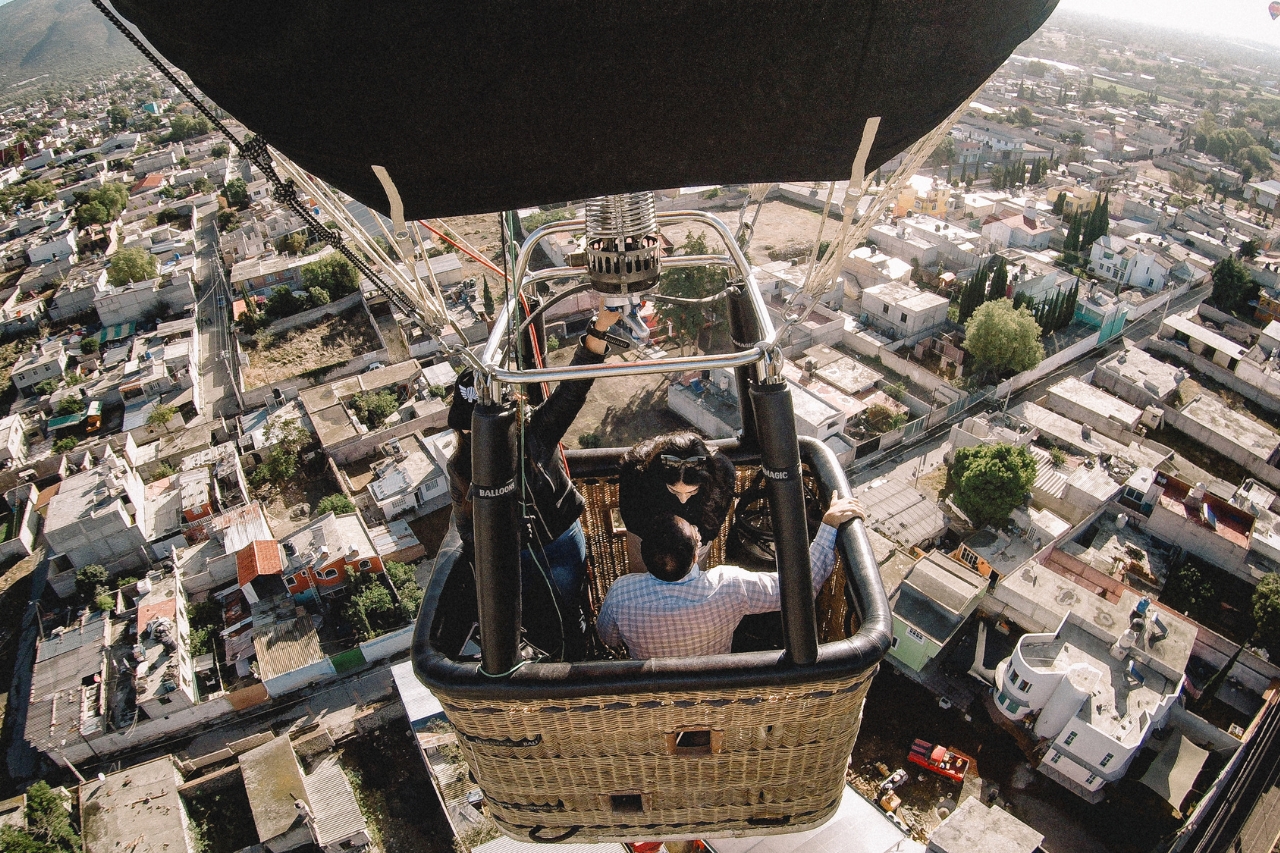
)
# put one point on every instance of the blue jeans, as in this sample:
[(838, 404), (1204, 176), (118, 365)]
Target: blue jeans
[(564, 559)]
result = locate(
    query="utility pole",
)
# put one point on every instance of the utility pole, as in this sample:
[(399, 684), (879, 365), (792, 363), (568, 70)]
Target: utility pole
[(63, 756)]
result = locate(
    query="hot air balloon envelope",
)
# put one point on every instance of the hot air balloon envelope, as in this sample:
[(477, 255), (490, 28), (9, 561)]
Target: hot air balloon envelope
[(1274, 9), (496, 105)]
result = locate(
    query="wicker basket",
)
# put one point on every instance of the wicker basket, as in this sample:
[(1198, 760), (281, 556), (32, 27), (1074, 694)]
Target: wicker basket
[(739, 744)]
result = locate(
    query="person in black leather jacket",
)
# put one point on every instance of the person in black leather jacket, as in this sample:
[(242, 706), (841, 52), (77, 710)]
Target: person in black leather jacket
[(552, 539)]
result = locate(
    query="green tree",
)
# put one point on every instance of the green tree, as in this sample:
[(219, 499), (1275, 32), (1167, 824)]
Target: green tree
[(101, 205), (1189, 590), (944, 154), (129, 265), (403, 578), (1233, 287), (1266, 614), (69, 406), (169, 215), (1059, 204), (287, 438), (371, 610), (119, 117), (337, 503), (236, 192), (202, 185), (882, 419), (48, 829), (974, 293), (91, 581), (1003, 339), (991, 480), (1248, 250), (334, 274), (487, 297), (292, 244), (65, 444), (999, 279), (1023, 117), (219, 150), (1071, 246), (318, 296), (228, 220), (161, 415), (26, 194), (89, 345), (283, 303), (1098, 224), (374, 407), (187, 127), (687, 321)]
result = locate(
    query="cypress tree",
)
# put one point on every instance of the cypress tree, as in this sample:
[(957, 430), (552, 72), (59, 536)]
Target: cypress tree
[(974, 292), (1071, 246), (999, 280)]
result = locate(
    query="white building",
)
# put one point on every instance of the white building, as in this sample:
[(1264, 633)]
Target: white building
[(13, 440), (1021, 230), (1099, 684), (59, 247), (46, 361), (412, 477), (1116, 259), (97, 517), (904, 309)]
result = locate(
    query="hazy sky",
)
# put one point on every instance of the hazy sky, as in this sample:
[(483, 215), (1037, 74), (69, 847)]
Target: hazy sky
[(1247, 19)]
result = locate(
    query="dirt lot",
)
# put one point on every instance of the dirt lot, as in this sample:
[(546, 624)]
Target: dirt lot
[(783, 229), (312, 484), (334, 340), (484, 233), (622, 410)]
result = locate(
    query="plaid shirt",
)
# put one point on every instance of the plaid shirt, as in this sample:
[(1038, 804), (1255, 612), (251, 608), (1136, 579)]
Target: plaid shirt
[(697, 614)]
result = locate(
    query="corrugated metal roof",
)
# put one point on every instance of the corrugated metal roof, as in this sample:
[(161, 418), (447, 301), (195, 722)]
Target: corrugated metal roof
[(285, 647), (333, 803), (900, 513)]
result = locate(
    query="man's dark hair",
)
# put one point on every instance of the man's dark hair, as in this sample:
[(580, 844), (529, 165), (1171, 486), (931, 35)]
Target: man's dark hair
[(669, 547)]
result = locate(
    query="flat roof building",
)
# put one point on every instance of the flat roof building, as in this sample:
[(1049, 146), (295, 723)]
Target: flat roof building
[(931, 604), (138, 809), (1105, 412)]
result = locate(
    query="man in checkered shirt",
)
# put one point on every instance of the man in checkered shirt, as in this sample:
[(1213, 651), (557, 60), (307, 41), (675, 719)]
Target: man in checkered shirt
[(678, 610)]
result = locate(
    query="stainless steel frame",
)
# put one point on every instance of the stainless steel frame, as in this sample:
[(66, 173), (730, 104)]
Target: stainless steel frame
[(495, 358)]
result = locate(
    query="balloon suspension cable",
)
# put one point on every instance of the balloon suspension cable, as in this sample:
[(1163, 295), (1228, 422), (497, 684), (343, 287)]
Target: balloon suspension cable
[(852, 233), (745, 233)]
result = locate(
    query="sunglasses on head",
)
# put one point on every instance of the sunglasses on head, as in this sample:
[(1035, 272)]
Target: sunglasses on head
[(677, 468)]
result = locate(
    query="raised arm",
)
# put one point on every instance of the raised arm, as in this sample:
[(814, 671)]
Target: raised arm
[(822, 553), (551, 420)]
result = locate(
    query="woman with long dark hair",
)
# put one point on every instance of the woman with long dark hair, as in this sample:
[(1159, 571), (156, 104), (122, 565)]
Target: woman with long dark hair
[(674, 474)]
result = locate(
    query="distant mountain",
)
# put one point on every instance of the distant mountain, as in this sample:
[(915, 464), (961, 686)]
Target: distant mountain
[(64, 39)]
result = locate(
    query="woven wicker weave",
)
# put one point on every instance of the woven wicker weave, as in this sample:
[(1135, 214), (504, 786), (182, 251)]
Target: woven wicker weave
[(607, 767), (556, 765)]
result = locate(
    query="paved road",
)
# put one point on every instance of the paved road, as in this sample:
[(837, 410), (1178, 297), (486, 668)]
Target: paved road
[(212, 317)]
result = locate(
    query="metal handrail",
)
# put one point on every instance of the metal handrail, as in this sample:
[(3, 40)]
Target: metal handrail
[(495, 350)]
